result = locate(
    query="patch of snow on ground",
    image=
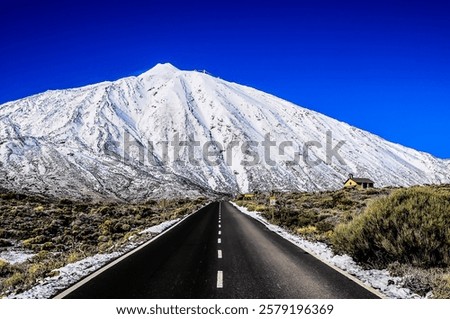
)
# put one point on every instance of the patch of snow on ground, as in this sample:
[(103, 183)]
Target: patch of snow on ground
[(161, 227), (68, 275), (13, 257), (73, 272), (378, 279)]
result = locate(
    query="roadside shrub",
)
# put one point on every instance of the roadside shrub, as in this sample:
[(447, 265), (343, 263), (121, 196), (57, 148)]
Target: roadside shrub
[(39, 208), (251, 207), (442, 287), (262, 208), (5, 268), (74, 257), (36, 271), (239, 202), (306, 218), (411, 226), (105, 246), (324, 226), (14, 280), (47, 246), (423, 281), (32, 243), (306, 231)]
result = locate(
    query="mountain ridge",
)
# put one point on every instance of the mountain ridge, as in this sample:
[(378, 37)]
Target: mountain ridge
[(119, 140)]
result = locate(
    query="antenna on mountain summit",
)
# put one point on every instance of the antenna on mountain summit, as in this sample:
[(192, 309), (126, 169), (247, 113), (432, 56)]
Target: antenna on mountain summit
[(206, 72), (203, 71)]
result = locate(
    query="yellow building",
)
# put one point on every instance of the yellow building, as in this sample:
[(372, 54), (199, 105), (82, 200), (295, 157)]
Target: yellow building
[(360, 183)]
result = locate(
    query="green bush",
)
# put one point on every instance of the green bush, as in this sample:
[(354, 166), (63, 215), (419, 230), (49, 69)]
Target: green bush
[(411, 226), (32, 243), (15, 279)]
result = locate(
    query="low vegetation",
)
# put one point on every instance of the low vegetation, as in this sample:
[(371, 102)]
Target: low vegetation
[(313, 215), (411, 226), (434, 282), (404, 230), (62, 232)]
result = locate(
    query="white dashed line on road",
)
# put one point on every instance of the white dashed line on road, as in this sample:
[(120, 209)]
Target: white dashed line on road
[(219, 279), (219, 251)]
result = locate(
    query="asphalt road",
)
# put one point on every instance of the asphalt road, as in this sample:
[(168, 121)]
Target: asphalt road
[(219, 252)]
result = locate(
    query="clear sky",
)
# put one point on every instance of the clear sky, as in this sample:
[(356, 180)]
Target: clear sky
[(383, 66)]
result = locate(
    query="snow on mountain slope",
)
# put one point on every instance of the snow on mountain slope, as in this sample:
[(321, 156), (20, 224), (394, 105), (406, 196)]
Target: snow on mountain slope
[(182, 133)]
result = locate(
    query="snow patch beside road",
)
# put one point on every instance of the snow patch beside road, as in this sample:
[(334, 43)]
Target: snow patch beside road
[(161, 227), (13, 257), (377, 279)]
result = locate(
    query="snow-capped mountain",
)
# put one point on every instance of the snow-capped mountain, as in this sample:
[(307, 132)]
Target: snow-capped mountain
[(169, 132)]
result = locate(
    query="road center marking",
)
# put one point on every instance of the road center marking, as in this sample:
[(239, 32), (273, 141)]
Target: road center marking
[(220, 232), (219, 279), (219, 254), (219, 241), (220, 226)]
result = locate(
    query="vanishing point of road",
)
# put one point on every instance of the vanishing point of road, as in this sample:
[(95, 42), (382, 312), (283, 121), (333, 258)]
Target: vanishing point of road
[(218, 252)]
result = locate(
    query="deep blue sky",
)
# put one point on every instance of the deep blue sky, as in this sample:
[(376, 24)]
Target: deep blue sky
[(383, 66)]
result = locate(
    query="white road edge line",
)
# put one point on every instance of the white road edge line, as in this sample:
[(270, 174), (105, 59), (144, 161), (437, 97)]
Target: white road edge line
[(219, 254), (219, 279), (118, 260), (342, 272)]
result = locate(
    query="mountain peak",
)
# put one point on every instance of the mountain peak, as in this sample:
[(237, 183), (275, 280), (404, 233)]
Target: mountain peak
[(162, 68)]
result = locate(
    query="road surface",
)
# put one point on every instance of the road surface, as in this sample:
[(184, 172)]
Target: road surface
[(219, 252)]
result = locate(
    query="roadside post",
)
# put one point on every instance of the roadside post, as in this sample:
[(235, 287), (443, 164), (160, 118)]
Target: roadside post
[(272, 203)]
